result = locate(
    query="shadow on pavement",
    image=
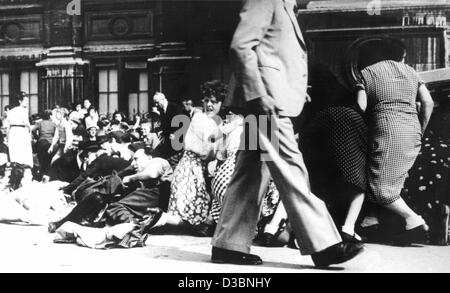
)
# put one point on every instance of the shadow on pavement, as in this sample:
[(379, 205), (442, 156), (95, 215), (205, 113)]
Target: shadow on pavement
[(175, 253)]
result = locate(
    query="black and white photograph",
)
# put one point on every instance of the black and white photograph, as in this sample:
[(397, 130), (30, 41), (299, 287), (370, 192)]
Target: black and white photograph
[(223, 137)]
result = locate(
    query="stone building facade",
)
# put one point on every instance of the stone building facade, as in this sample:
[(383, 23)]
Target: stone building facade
[(119, 52)]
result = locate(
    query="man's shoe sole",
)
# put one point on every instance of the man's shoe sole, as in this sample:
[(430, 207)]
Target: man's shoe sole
[(352, 256), (235, 263)]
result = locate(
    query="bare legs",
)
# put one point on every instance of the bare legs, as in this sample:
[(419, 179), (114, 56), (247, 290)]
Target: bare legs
[(412, 219), (356, 199)]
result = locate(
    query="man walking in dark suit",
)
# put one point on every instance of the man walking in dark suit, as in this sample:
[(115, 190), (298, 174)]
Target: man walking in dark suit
[(270, 80)]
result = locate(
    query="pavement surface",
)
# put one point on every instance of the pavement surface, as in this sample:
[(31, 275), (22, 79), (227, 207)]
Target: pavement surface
[(31, 249)]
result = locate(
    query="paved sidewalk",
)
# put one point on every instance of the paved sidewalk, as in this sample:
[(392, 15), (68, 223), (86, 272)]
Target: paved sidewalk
[(31, 249)]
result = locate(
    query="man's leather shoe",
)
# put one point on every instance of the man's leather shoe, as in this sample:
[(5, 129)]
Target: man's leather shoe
[(336, 254), (220, 255)]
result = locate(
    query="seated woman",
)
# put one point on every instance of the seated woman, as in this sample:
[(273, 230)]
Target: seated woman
[(91, 118), (189, 204), (77, 114), (121, 119)]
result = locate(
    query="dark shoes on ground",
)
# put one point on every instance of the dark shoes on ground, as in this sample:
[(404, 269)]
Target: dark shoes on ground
[(220, 255), (417, 235), (373, 234), (336, 254)]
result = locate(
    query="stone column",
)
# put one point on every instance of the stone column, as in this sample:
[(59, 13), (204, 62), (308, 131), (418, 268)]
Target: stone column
[(63, 81), (171, 70)]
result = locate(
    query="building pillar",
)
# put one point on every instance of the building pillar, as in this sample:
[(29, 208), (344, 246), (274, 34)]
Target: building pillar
[(63, 81), (170, 70)]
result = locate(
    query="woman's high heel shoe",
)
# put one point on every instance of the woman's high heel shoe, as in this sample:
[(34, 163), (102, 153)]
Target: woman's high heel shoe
[(351, 238), (416, 235)]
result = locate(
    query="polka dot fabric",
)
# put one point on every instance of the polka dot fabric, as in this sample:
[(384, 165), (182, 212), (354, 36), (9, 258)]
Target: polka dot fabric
[(334, 145)]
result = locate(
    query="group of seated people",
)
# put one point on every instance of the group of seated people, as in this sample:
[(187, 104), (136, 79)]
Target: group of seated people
[(107, 182)]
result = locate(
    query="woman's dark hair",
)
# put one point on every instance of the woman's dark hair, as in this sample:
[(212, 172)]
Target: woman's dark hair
[(371, 53), (326, 90), (46, 114), (120, 113), (214, 88), (89, 110), (395, 49), (379, 50), (75, 104), (115, 122), (20, 97)]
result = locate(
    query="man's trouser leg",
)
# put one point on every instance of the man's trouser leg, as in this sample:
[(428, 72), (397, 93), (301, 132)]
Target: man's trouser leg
[(242, 203), (312, 224)]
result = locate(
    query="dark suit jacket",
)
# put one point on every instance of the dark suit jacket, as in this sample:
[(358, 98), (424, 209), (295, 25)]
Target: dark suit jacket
[(166, 119), (101, 166), (164, 148), (268, 55)]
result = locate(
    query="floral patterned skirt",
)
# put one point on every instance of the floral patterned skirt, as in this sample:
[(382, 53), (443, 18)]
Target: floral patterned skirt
[(188, 196)]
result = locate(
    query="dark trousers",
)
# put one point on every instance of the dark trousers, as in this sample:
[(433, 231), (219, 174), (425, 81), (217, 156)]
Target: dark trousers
[(130, 208), (44, 157), (136, 205)]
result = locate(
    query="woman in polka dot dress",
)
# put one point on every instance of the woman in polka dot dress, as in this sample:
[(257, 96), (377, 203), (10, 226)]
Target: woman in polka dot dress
[(388, 94)]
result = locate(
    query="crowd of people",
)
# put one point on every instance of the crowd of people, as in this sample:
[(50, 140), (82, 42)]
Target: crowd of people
[(91, 164), (65, 168)]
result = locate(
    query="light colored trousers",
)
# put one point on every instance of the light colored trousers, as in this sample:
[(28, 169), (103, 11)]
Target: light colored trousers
[(308, 215)]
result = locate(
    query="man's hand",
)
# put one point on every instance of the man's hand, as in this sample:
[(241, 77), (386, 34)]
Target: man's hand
[(263, 106)]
